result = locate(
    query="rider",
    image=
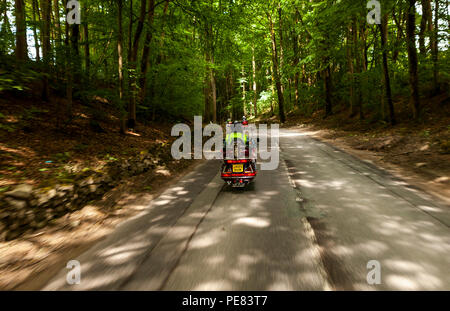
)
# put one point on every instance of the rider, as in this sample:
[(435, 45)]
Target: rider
[(239, 133)]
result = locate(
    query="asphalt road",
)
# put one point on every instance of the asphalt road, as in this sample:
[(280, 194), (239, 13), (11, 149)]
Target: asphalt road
[(312, 224)]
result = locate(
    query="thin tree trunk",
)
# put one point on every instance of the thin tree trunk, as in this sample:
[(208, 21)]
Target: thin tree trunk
[(272, 87), (58, 23), (243, 89), (46, 46), (412, 56), (133, 60), (434, 46), (425, 24), (295, 40), (213, 90), (120, 60), (255, 91), (163, 34), (206, 90), (69, 69), (327, 82), (276, 71), (130, 31), (21, 31), (36, 38), (87, 56), (76, 60), (146, 52), (350, 52), (358, 70), (387, 81), (280, 31)]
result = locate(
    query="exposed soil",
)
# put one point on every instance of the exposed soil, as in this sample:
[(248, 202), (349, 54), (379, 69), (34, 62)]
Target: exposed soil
[(36, 150)]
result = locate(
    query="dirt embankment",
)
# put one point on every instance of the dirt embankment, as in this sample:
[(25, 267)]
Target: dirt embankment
[(38, 150)]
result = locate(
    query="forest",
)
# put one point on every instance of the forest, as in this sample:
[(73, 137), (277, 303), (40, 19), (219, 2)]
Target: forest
[(223, 59), (90, 90)]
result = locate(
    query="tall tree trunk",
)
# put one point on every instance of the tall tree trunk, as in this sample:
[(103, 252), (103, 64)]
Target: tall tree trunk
[(425, 24), (276, 71), (295, 41), (412, 57), (74, 43), (280, 31), (213, 90), (399, 22), (132, 65), (328, 100), (87, 56), (36, 37), (243, 90), (130, 31), (163, 34), (435, 48), (210, 80), (255, 90), (21, 31), (358, 69), (387, 81), (58, 23), (46, 46), (146, 52), (120, 60), (207, 90), (351, 69), (272, 88)]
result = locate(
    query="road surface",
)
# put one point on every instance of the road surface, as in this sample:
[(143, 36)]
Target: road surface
[(312, 224)]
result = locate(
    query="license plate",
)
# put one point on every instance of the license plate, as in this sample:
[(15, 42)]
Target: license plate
[(238, 168)]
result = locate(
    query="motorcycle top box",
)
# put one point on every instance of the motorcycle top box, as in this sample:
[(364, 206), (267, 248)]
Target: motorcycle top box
[(238, 173)]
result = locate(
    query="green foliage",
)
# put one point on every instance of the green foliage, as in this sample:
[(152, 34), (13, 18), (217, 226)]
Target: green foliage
[(15, 76), (4, 126), (265, 100), (62, 157), (196, 45), (32, 113)]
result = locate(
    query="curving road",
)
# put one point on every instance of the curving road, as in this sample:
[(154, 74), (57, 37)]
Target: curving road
[(312, 224)]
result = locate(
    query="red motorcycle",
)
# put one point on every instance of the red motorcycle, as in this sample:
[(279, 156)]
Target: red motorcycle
[(239, 166)]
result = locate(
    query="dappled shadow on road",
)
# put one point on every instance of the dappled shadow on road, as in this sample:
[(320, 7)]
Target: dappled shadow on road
[(358, 217), (255, 240), (110, 263), (251, 240)]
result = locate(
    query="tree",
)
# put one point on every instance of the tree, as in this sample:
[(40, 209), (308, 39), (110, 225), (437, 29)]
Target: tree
[(120, 58), (21, 33), (132, 66), (276, 72), (387, 81), (412, 57)]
